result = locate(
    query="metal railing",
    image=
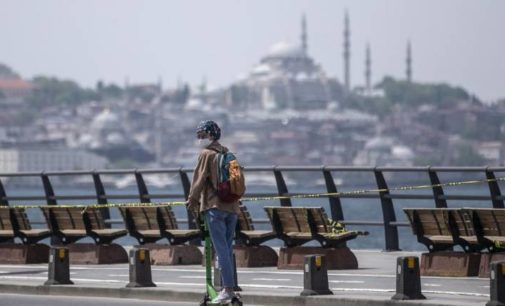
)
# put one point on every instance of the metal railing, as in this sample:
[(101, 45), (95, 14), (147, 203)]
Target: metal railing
[(389, 221)]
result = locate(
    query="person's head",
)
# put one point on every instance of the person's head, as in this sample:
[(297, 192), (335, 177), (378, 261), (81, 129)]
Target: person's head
[(208, 129)]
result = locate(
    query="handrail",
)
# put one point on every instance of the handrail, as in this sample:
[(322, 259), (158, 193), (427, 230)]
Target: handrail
[(385, 196)]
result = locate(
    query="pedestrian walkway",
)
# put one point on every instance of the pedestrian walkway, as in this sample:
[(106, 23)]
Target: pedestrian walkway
[(373, 283)]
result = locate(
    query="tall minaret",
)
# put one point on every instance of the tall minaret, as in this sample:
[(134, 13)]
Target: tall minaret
[(303, 36), (347, 52), (408, 70), (368, 70)]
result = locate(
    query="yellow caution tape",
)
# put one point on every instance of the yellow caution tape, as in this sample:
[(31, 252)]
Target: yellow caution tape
[(270, 198)]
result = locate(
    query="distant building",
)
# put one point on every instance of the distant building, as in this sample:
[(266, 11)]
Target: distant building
[(492, 151), (14, 90), (384, 151), (20, 160), (286, 78)]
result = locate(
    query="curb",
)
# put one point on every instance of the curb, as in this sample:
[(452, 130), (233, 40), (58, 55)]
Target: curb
[(194, 296)]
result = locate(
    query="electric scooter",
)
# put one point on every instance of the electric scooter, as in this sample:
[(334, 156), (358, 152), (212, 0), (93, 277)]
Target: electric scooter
[(211, 292)]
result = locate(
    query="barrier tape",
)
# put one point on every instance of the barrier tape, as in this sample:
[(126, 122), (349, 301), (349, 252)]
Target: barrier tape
[(270, 198)]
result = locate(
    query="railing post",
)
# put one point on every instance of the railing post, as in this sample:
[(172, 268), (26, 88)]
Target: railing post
[(143, 193), (48, 189), (192, 222), (281, 187), (335, 205), (388, 213), (186, 184), (438, 191), (101, 197), (494, 189), (3, 196)]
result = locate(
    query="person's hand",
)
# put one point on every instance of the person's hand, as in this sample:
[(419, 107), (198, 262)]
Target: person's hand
[(192, 207)]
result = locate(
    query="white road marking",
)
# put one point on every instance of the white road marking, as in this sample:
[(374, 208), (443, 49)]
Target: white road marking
[(272, 279), (195, 276), (347, 281), (363, 289), (118, 275), (431, 285), (457, 293)]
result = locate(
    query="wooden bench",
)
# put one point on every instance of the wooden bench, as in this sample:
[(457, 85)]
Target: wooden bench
[(290, 224), (298, 225), (6, 228), (70, 224), (246, 234), (14, 223), (149, 224), (23, 228), (142, 223), (431, 228), (322, 229), (170, 230), (489, 226), (440, 229)]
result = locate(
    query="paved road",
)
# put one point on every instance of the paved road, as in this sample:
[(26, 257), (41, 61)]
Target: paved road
[(374, 278), (44, 300)]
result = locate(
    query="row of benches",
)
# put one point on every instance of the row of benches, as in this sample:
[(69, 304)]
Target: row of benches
[(474, 229), (148, 224)]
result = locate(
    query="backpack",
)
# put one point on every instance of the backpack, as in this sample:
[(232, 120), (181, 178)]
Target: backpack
[(230, 178)]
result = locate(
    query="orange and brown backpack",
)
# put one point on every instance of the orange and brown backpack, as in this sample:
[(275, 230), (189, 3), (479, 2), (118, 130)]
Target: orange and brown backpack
[(230, 178)]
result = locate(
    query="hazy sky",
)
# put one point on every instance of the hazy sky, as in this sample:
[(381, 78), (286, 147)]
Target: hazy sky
[(458, 41)]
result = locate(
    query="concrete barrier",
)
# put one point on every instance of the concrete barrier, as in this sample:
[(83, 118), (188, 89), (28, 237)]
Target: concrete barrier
[(140, 269), (408, 279), (315, 276), (59, 267)]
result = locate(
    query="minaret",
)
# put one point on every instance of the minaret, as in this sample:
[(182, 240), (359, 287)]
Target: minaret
[(304, 35), (368, 70), (347, 53), (408, 70)]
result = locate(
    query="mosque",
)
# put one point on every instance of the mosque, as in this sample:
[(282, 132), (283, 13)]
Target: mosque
[(286, 77)]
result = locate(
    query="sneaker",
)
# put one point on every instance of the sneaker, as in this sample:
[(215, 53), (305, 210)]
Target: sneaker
[(224, 297)]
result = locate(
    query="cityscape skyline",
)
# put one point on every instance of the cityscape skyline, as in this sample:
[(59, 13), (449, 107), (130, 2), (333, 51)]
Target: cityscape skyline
[(133, 41)]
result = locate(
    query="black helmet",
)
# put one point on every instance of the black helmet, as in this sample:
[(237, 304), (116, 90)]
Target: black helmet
[(208, 127)]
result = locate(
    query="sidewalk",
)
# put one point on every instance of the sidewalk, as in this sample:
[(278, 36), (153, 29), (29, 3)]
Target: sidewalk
[(372, 284)]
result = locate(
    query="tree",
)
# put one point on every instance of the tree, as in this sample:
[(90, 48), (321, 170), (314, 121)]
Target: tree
[(108, 91), (467, 156), (7, 72), (51, 91), (410, 94)]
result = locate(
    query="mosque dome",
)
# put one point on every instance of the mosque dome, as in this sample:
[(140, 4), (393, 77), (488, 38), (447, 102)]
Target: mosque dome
[(284, 49), (379, 143), (261, 69), (106, 120)]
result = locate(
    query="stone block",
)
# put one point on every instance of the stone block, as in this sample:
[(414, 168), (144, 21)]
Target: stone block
[(337, 258), (449, 263), (14, 253), (164, 254), (485, 262), (90, 253), (255, 256)]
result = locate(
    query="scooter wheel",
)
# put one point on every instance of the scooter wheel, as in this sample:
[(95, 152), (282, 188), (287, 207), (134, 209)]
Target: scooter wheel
[(236, 302), (205, 300)]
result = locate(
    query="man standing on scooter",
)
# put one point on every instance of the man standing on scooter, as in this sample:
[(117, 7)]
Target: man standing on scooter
[(221, 217)]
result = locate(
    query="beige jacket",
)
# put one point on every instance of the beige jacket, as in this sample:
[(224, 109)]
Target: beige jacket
[(202, 194)]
